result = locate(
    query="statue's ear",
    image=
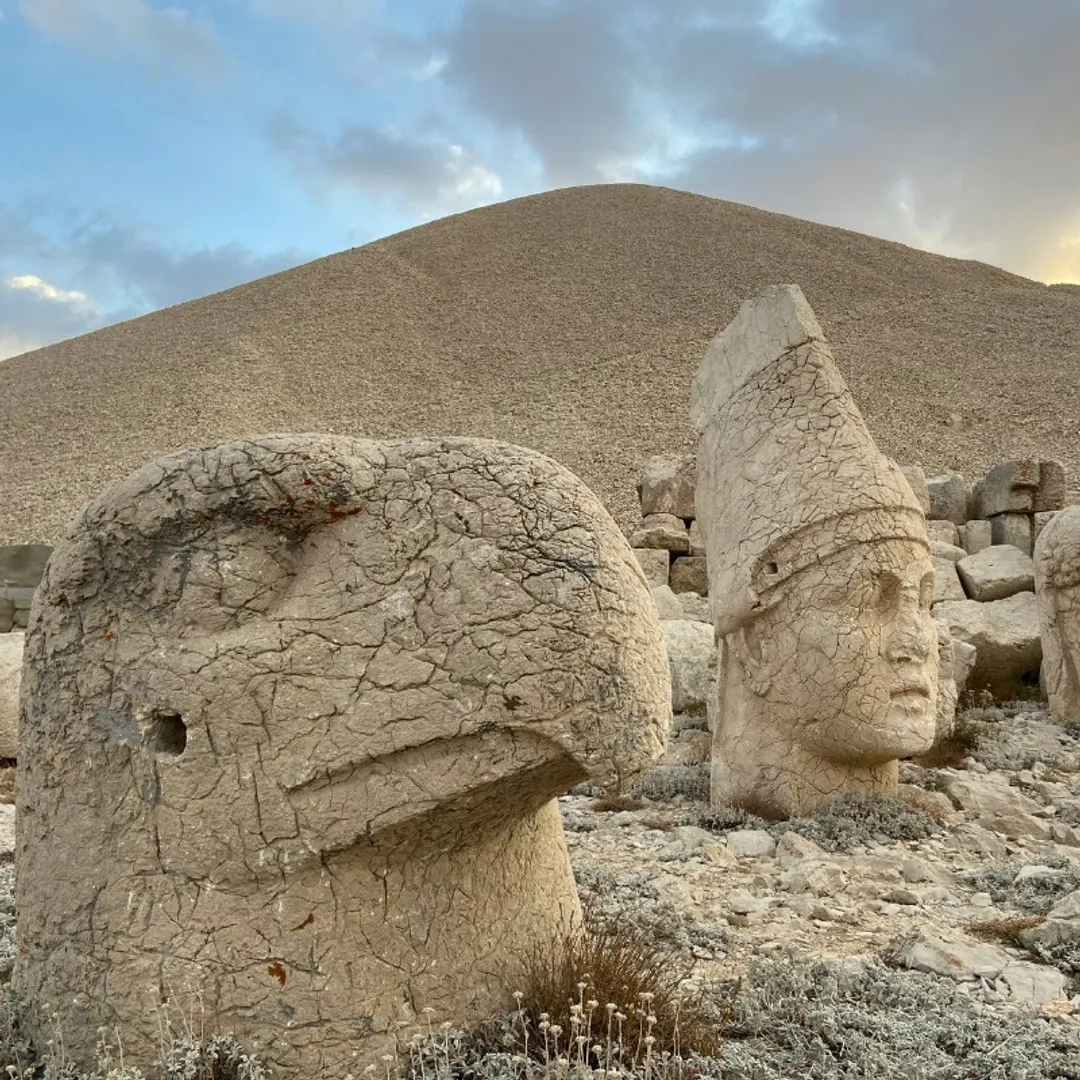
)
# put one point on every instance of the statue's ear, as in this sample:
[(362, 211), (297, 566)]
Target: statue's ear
[(745, 642)]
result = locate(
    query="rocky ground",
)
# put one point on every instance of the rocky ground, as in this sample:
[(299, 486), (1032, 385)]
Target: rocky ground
[(937, 935)]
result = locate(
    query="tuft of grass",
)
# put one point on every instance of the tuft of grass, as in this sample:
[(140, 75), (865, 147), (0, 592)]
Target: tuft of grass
[(664, 783), (614, 803), (1005, 928), (623, 987)]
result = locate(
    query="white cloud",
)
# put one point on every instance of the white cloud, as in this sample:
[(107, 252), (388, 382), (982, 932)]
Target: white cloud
[(44, 291), (430, 69), (173, 33)]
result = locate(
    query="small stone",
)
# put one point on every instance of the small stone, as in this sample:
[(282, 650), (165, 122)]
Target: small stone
[(1035, 984), (718, 854), (914, 870), (792, 848), (661, 531), (689, 573), (654, 564), (948, 954), (744, 903), (750, 843), (902, 896), (982, 900)]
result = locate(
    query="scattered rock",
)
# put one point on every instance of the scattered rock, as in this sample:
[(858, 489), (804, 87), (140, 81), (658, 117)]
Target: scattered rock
[(667, 603), (1035, 984), (948, 498), (654, 564), (949, 954), (750, 843), (667, 486), (996, 572), (689, 573), (661, 531)]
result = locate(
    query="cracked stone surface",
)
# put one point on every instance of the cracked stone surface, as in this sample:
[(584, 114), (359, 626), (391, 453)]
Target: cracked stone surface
[(1057, 588), (297, 713), (820, 576)]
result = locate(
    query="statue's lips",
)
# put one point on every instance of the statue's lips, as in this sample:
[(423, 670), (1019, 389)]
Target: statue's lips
[(911, 688)]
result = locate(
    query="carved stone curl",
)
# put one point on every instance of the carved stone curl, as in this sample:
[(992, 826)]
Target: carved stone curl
[(297, 710)]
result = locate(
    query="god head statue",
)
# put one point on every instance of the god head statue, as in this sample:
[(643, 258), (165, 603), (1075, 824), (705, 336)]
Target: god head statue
[(297, 710), (820, 578)]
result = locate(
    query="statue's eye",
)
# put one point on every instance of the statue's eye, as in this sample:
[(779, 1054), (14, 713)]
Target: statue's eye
[(888, 591)]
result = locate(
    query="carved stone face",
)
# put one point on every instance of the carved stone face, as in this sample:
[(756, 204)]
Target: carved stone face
[(847, 658)]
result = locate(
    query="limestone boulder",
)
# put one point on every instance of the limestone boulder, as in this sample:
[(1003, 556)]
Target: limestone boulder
[(978, 534), (695, 607), (1014, 529), (1057, 586), (690, 573), (654, 563), (948, 693), (667, 603), (945, 532), (996, 572), (667, 486), (916, 479), (690, 651), (661, 531), (940, 550), (946, 580), (1053, 486), (948, 498), (1007, 488), (11, 657), (297, 712), (1005, 635)]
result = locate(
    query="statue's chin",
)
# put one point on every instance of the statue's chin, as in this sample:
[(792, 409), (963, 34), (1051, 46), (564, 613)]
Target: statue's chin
[(907, 730)]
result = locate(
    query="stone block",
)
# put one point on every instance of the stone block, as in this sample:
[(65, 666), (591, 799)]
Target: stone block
[(1014, 529), (695, 607), (940, 550), (1053, 483), (996, 572), (948, 498), (21, 619), (667, 485), (978, 534), (1008, 488), (11, 657), (946, 582), (22, 565), (697, 544), (689, 573), (654, 562), (667, 603), (916, 479), (661, 531), (1039, 521), (691, 653), (7, 615), (1005, 634), (945, 531)]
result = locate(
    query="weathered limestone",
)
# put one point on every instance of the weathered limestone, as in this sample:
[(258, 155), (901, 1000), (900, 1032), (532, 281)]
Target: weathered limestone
[(1005, 634), (1057, 586), (667, 603), (944, 531), (689, 574), (11, 656), (978, 534), (948, 691), (1008, 488), (820, 578), (1014, 529), (654, 563), (297, 711), (916, 478), (21, 565), (661, 531), (946, 581), (667, 486), (948, 498), (690, 653), (996, 572), (1039, 522), (1052, 489)]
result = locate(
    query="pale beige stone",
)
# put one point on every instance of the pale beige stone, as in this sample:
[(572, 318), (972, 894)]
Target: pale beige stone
[(1007, 488), (661, 531), (298, 709), (947, 584), (916, 479), (1053, 486), (948, 691), (978, 534), (667, 486), (1015, 529), (948, 498), (691, 654), (697, 545), (11, 657), (654, 563), (820, 577), (944, 531), (1039, 522), (996, 572), (689, 573), (1057, 588)]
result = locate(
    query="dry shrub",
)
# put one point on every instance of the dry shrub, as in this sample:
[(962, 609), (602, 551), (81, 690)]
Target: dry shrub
[(918, 799), (1006, 928), (613, 803), (611, 969), (950, 751)]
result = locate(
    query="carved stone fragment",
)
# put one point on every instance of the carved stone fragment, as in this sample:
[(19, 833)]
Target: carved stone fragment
[(820, 576), (297, 712)]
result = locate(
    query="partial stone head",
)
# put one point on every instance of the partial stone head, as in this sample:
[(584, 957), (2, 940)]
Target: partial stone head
[(1057, 588), (820, 578), (297, 709)]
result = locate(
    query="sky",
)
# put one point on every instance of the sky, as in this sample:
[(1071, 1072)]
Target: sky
[(153, 151)]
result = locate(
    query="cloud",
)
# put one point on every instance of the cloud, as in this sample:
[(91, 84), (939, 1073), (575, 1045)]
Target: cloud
[(113, 271), (430, 176), (172, 33), (951, 124)]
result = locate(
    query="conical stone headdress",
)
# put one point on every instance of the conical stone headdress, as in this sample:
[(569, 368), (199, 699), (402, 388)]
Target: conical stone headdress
[(788, 474)]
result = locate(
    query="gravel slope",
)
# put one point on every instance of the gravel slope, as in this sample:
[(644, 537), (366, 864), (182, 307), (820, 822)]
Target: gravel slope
[(571, 322)]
